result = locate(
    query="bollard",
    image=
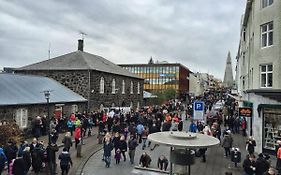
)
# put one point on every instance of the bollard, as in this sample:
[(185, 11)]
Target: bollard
[(79, 150)]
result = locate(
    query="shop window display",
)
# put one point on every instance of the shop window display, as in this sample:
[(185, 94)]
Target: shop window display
[(272, 130)]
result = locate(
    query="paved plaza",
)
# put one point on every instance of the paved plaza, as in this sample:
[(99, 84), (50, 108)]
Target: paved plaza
[(216, 163)]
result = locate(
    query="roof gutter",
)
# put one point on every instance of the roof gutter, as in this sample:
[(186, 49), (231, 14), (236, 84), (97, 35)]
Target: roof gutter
[(247, 12)]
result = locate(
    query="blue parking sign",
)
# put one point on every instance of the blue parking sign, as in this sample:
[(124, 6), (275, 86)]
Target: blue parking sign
[(198, 106), (198, 110)]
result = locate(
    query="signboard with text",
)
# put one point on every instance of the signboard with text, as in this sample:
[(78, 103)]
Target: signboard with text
[(245, 112), (198, 110)]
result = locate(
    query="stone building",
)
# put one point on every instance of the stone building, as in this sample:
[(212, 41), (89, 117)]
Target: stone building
[(22, 99), (102, 82), (259, 69)]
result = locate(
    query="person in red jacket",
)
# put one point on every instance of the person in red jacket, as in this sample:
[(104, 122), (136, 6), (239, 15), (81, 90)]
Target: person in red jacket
[(243, 126), (77, 135)]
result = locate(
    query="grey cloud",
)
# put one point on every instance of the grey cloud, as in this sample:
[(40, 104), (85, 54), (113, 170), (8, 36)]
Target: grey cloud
[(196, 33)]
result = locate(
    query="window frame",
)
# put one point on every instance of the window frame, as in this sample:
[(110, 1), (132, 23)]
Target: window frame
[(267, 34), (123, 86), (101, 85), (266, 3), (22, 117), (138, 89), (266, 73), (132, 88), (113, 86)]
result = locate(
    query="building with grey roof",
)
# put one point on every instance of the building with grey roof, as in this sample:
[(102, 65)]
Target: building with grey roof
[(102, 82), (22, 98)]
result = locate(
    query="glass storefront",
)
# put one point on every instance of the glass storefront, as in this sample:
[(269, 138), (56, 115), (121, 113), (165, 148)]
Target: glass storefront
[(272, 128)]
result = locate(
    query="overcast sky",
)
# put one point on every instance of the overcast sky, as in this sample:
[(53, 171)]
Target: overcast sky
[(196, 33)]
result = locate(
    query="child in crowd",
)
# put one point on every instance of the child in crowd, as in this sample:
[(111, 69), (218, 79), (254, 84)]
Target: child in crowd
[(118, 156)]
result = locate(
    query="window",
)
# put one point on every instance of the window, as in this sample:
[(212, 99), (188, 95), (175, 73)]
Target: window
[(266, 75), (243, 58), (123, 87), (74, 108), (267, 34), (113, 86), (138, 88), (101, 85), (21, 117), (243, 83), (266, 3), (244, 34), (132, 88)]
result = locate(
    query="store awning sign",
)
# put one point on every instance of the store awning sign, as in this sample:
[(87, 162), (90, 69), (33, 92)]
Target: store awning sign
[(245, 112)]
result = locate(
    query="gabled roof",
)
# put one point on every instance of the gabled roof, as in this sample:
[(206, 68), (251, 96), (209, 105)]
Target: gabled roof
[(80, 60), (19, 89)]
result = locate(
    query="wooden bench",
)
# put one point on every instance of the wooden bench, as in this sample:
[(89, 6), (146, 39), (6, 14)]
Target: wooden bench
[(151, 169)]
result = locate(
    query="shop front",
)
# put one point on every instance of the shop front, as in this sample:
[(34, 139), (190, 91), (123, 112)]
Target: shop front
[(271, 117)]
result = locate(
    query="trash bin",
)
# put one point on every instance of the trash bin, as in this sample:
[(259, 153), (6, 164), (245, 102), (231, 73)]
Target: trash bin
[(235, 156)]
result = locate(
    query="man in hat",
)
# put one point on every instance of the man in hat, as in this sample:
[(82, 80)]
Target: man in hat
[(262, 165)]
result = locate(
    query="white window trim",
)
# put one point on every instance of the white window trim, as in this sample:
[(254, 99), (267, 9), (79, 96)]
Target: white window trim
[(266, 76), (138, 87), (132, 88), (102, 85), (123, 87), (113, 84), (267, 34), (22, 114)]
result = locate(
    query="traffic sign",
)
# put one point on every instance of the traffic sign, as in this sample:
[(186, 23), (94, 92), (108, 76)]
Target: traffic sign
[(198, 110)]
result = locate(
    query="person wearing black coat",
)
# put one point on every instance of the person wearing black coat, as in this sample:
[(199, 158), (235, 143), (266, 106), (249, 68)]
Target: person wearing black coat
[(19, 167), (162, 163), (180, 125), (145, 160), (107, 148), (249, 165), (51, 153), (166, 126), (27, 158), (11, 152), (251, 143), (37, 155), (65, 161), (261, 165), (123, 147)]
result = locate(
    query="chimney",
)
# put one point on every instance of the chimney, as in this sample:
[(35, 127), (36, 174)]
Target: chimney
[(80, 44)]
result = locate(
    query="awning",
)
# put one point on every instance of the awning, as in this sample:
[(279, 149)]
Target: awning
[(148, 95)]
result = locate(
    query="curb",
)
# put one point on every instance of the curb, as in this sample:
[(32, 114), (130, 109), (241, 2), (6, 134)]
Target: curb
[(84, 161)]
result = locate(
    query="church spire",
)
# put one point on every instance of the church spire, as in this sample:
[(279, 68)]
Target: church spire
[(228, 74)]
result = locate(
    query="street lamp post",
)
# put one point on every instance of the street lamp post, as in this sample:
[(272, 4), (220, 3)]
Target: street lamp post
[(47, 97)]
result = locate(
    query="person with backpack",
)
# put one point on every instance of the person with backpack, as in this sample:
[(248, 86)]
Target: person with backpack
[(65, 161), (3, 160)]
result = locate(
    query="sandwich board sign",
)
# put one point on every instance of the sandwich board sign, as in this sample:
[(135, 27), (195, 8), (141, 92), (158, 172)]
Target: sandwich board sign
[(198, 110)]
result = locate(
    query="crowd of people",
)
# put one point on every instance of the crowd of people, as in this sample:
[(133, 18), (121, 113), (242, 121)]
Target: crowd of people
[(121, 133)]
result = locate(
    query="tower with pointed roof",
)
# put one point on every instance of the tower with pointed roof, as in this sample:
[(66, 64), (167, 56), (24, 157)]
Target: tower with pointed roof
[(228, 74)]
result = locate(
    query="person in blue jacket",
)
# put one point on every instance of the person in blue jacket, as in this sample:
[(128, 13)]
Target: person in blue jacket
[(192, 127), (3, 160)]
